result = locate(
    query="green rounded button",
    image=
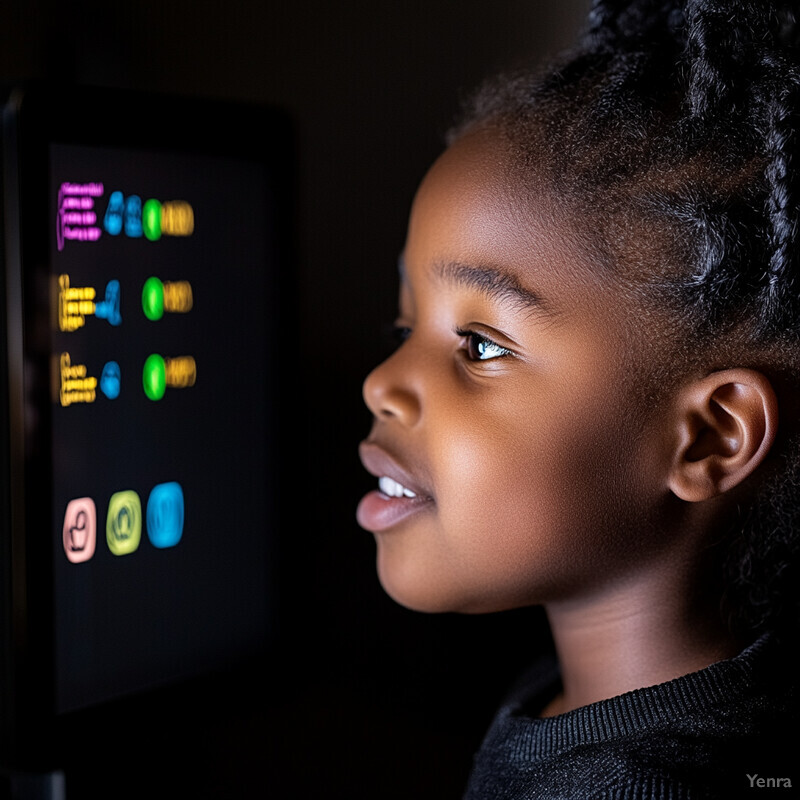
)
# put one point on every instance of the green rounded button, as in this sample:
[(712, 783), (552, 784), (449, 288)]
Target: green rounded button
[(153, 299), (124, 523), (154, 377), (151, 220)]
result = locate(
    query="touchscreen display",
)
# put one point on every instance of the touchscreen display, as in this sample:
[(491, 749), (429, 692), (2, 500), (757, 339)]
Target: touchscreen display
[(160, 384)]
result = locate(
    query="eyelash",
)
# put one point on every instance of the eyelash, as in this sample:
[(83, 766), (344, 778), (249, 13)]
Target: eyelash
[(474, 343), (399, 334)]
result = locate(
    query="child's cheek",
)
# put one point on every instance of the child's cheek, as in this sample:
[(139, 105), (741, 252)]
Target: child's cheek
[(531, 516)]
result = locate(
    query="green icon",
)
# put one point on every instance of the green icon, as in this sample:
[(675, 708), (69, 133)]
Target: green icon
[(151, 219), (154, 377), (153, 299), (124, 523)]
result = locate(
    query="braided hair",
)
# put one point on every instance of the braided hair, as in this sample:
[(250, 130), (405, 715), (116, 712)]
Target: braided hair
[(674, 126)]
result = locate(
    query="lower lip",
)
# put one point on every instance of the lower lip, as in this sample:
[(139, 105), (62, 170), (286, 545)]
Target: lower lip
[(379, 512)]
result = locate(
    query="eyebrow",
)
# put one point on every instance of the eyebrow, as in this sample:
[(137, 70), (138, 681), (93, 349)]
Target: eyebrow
[(492, 282)]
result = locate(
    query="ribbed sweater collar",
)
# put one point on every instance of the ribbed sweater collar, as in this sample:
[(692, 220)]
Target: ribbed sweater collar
[(679, 701)]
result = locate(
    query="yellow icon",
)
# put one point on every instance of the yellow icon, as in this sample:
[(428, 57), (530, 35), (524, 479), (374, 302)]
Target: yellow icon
[(75, 303), (77, 386), (124, 523)]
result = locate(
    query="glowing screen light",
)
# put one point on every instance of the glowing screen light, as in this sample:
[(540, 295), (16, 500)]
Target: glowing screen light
[(111, 380), (178, 297), (132, 216), (124, 523), (159, 296), (108, 308), (130, 433), (165, 515), (112, 221), (80, 529), (151, 220), (75, 215), (177, 218), (160, 373), (154, 377), (153, 299), (77, 386), (181, 372), (75, 303)]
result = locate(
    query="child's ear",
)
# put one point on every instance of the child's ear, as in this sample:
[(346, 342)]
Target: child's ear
[(727, 423)]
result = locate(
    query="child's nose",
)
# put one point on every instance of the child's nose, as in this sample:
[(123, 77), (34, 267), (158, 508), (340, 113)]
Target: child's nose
[(389, 394)]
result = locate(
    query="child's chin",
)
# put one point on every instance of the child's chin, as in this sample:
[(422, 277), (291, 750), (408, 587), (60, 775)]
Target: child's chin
[(432, 597), (415, 595)]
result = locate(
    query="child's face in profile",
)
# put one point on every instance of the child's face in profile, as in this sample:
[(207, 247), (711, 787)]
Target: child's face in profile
[(521, 466)]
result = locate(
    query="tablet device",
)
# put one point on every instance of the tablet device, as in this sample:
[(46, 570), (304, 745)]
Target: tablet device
[(145, 247)]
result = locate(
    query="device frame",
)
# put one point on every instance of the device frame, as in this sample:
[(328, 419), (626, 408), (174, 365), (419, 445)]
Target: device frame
[(34, 117)]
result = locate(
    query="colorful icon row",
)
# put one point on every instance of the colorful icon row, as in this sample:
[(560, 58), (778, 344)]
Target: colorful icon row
[(77, 216), (163, 519), (158, 375), (75, 303), (151, 218)]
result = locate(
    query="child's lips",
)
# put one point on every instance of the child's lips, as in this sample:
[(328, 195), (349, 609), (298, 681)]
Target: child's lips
[(396, 498)]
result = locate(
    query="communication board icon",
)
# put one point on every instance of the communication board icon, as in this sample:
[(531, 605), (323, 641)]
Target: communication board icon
[(124, 523), (80, 529), (165, 515)]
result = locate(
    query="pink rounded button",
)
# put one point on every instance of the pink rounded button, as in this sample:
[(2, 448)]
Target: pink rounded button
[(80, 529)]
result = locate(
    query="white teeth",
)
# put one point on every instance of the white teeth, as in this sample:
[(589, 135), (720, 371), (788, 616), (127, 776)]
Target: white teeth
[(393, 489)]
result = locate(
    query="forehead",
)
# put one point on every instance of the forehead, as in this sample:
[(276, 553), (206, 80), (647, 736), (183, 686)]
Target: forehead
[(474, 208)]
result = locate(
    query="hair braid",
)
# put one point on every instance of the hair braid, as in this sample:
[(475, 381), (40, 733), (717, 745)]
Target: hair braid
[(782, 210), (707, 29), (743, 86), (624, 25), (601, 23)]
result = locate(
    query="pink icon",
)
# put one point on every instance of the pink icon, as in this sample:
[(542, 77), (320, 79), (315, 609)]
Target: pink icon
[(80, 529)]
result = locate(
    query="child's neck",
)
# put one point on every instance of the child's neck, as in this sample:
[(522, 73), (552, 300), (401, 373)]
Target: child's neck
[(633, 637)]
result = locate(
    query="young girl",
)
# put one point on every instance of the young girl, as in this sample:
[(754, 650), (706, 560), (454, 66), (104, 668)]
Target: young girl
[(594, 406)]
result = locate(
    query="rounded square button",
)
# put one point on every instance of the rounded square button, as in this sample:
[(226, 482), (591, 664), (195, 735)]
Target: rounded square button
[(80, 529), (165, 515), (124, 523)]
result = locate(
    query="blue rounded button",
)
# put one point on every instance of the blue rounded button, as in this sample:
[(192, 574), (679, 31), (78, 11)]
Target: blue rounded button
[(165, 515)]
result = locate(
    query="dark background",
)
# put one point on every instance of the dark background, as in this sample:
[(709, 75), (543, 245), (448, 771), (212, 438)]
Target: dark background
[(362, 699)]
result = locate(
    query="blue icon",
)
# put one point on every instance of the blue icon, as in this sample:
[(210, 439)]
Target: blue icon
[(165, 515), (133, 216), (109, 308), (112, 221), (110, 380)]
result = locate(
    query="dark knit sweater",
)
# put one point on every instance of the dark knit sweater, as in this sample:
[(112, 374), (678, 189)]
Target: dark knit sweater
[(717, 733)]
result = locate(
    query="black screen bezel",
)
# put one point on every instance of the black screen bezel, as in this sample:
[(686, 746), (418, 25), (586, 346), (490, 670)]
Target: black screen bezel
[(35, 117)]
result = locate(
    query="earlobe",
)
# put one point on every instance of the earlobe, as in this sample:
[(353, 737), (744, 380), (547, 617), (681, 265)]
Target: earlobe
[(726, 425)]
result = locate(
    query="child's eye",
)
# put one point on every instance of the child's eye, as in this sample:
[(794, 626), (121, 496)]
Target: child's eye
[(396, 334), (481, 348), (400, 333)]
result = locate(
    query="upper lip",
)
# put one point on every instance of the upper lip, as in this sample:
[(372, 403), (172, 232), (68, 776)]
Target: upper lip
[(381, 463)]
